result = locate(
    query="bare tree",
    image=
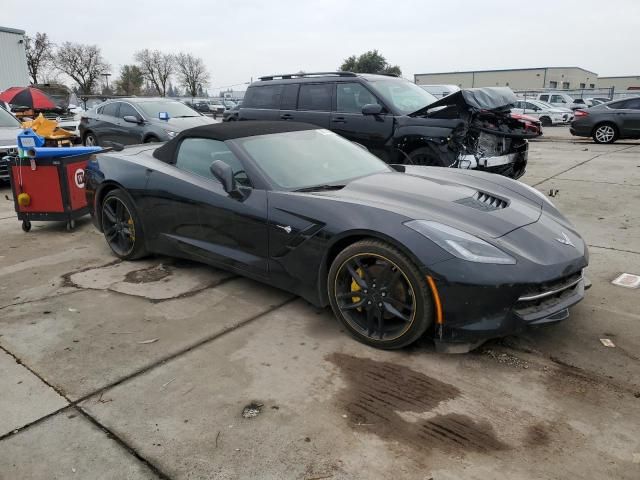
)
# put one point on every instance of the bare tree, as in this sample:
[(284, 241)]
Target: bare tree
[(192, 73), (157, 68), (39, 52), (83, 63)]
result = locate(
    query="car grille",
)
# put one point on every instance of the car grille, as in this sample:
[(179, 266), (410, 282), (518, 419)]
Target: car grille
[(484, 201), (544, 295), (4, 162)]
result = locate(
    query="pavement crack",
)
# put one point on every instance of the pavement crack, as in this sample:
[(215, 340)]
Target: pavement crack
[(582, 163), (614, 249), (116, 438)]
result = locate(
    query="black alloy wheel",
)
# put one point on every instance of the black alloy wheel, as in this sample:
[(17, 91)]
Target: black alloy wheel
[(121, 226), (90, 140), (379, 295)]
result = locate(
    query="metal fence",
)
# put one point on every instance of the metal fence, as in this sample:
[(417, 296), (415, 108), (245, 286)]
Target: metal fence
[(608, 93)]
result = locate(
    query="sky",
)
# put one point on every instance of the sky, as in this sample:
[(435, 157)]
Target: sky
[(244, 39)]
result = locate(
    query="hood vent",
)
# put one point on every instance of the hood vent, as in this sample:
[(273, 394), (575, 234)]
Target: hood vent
[(484, 201)]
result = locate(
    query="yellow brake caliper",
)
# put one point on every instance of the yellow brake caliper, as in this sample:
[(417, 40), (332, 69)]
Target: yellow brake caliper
[(132, 229), (356, 288)]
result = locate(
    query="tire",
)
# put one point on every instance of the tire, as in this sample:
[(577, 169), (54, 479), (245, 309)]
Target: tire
[(546, 121), (26, 226), (426, 156), (151, 139), (401, 295), (122, 228), (90, 140), (605, 133)]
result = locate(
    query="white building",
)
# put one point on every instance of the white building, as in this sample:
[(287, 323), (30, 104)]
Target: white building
[(13, 59)]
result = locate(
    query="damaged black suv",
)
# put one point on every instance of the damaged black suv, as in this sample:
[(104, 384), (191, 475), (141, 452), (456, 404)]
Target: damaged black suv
[(399, 121)]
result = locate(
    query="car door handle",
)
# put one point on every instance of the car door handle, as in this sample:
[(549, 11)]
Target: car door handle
[(338, 120), (286, 116)]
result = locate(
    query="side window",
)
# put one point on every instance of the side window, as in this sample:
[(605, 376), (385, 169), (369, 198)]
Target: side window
[(196, 155), (351, 97), (111, 109), (557, 99), (544, 98), (315, 97), (529, 106), (617, 105), (126, 109), (267, 96), (289, 96), (633, 104)]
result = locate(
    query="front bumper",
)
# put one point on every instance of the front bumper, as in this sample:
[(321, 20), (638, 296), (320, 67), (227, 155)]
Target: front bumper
[(512, 165), (509, 319)]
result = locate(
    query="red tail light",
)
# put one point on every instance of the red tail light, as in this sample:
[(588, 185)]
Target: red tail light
[(580, 113)]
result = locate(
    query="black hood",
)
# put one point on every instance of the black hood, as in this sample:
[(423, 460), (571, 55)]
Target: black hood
[(467, 202), (488, 98)]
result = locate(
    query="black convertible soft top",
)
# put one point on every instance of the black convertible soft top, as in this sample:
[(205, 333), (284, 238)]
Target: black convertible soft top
[(229, 131)]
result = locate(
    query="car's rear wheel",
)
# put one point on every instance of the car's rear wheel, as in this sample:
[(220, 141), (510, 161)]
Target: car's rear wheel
[(379, 295), (90, 140), (426, 156), (121, 226), (605, 133), (151, 139), (546, 121)]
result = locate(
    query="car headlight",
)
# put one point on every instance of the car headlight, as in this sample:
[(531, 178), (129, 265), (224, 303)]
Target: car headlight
[(461, 244), (171, 133)]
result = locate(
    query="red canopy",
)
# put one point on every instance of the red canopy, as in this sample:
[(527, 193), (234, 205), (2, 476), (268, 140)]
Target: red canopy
[(28, 97)]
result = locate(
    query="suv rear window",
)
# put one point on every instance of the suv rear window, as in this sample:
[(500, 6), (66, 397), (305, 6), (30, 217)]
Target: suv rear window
[(315, 97), (267, 96)]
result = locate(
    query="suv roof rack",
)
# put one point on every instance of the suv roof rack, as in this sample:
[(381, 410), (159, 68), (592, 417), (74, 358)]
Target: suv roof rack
[(285, 76)]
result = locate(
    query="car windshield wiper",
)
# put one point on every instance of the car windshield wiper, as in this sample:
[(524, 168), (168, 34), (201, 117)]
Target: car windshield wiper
[(316, 188)]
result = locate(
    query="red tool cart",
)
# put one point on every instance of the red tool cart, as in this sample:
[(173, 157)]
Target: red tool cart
[(49, 189)]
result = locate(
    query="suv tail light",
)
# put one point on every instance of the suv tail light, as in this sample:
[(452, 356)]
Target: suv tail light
[(580, 113)]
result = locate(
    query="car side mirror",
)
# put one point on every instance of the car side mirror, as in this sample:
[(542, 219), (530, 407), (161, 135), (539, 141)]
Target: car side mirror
[(131, 119), (372, 109), (224, 174)]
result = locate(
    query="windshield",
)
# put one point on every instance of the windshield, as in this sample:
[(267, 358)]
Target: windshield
[(174, 109), (295, 160), (403, 96), (7, 120)]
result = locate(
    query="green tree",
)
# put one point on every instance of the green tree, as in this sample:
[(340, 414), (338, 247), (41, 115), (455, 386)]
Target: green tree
[(130, 81), (369, 62)]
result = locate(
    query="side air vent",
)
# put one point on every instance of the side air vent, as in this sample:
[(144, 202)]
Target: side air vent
[(484, 201)]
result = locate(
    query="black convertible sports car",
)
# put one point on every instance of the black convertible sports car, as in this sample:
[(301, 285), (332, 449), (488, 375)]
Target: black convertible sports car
[(396, 251)]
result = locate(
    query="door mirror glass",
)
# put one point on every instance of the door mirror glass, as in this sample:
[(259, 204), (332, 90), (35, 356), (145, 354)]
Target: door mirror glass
[(224, 174), (372, 109), (163, 115), (131, 119)]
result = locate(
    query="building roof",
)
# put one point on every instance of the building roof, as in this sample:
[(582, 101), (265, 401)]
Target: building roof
[(506, 70), (12, 30), (618, 76)]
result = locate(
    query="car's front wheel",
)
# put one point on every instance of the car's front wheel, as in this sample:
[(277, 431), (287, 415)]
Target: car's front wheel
[(546, 121), (90, 140), (121, 226), (379, 295), (426, 156), (605, 133)]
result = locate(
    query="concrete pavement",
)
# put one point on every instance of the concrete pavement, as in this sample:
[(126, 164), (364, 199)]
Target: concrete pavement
[(117, 370)]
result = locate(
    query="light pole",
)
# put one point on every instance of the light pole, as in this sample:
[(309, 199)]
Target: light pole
[(106, 79)]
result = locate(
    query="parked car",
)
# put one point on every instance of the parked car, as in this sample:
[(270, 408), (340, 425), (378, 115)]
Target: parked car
[(546, 113), (231, 115), (399, 121), (228, 104), (440, 90), (559, 99), (216, 107), (610, 121), (137, 120), (592, 102), (202, 107), (397, 251), (531, 124), (9, 130)]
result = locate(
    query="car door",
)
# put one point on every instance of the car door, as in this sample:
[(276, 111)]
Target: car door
[(629, 114), (106, 128), (518, 107), (289, 101), (314, 103), (129, 133), (372, 131), (232, 230)]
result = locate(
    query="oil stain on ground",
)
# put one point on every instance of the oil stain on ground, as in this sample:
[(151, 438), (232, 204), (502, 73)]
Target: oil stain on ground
[(377, 391)]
